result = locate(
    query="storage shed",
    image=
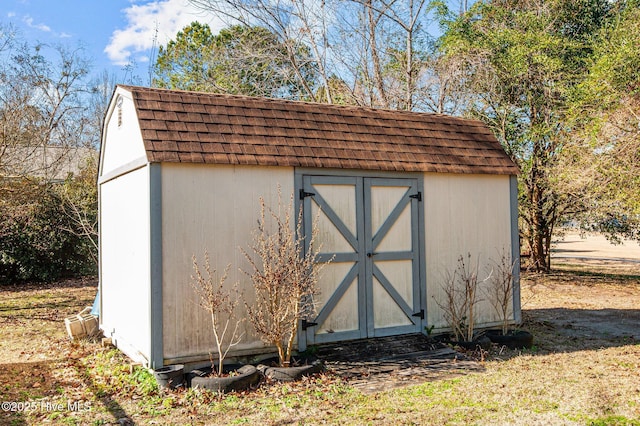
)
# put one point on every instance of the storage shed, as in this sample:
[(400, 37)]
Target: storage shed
[(401, 196)]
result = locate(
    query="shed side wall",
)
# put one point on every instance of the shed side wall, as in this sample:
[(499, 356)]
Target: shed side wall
[(212, 208), (464, 214), (125, 262)]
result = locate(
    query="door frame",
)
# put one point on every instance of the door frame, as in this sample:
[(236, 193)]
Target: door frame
[(299, 174)]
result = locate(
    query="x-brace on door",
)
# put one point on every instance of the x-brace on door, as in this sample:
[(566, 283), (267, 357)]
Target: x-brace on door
[(369, 226)]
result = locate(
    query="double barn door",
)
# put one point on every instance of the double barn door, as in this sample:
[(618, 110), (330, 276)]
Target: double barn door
[(369, 227)]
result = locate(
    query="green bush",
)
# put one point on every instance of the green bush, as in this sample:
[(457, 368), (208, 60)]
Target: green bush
[(40, 239)]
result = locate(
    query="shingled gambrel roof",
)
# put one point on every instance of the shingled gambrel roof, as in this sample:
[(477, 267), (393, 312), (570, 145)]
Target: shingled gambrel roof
[(193, 127)]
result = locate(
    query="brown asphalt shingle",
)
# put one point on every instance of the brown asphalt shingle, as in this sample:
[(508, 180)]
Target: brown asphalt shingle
[(191, 127)]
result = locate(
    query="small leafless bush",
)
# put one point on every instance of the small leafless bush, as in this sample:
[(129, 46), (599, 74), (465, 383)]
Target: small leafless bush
[(454, 305), (221, 305), (500, 289), (284, 276), (461, 297)]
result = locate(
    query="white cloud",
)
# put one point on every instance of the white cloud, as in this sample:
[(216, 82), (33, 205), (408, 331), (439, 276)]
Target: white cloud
[(168, 16), (42, 27), (29, 22), (11, 14)]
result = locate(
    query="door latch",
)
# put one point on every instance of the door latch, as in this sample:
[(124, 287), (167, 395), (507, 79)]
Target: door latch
[(304, 194), (419, 314), (306, 324)]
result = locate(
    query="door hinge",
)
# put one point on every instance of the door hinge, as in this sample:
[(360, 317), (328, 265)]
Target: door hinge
[(304, 194), (419, 314), (306, 324), (417, 196)]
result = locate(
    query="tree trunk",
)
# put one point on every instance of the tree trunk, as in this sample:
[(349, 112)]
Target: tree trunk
[(540, 238), (409, 63), (281, 354), (538, 255), (375, 59)]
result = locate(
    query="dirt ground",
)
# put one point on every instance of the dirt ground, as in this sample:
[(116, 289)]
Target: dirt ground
[(591, 247), (592, 308), (32, 326), (585, 317)]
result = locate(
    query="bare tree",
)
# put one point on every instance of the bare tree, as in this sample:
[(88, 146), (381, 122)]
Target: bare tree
[(293, 22), (7, 36), (42, 116), (376, 53), (79, 201), (461, 290), (500, 288), (408, 18), (101, 89), (395, 64), (284, 276), (440, 86), (79, 193), (221, 305), (41, 107), (454, 305), (365, 23)]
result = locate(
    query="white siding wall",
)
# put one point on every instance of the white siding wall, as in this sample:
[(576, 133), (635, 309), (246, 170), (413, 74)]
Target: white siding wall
[(213, 208), (464, 214), (122, 135), (125, 262)]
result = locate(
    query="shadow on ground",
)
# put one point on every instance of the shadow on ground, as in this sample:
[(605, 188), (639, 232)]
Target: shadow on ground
[(583, 329)]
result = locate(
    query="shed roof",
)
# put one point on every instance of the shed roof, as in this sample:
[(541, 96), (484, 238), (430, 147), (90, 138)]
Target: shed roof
[(194, 127)]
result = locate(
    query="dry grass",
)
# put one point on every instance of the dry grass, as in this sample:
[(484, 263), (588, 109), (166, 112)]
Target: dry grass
[(584, 369)]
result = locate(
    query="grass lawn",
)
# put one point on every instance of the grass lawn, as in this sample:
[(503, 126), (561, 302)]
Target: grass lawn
[(583, 369)]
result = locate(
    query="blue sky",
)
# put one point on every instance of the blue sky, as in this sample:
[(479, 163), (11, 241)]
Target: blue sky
[(113, 32)]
